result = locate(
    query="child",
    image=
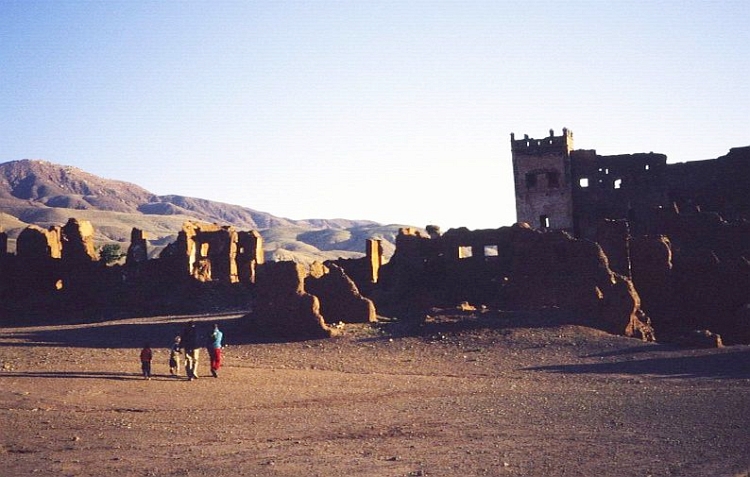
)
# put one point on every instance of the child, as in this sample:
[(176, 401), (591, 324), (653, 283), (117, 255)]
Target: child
[(146, 356), (174, 357)]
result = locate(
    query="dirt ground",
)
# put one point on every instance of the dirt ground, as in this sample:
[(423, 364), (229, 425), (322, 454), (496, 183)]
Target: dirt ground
[(465, 396)]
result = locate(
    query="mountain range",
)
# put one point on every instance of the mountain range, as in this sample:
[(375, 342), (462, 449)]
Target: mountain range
[(46, 194)]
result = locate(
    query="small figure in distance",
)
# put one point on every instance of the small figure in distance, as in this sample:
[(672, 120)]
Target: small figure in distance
[(214, 349), (146, 355), (174, 357)]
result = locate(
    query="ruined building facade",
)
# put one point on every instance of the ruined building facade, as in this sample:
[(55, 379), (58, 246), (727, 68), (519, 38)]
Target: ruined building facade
[(559, 187), (679, 232)]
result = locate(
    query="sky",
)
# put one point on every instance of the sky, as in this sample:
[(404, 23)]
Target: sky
[(394, 111)]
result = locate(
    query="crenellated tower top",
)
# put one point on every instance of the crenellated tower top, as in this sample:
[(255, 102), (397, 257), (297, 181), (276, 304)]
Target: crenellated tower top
[(549, 144)]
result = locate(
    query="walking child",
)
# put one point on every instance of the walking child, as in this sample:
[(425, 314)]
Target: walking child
[(146, 355), (174, 357)]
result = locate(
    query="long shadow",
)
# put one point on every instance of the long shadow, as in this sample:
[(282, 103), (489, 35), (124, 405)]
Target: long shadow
[(86, 375), (128, 333), (717, 364)]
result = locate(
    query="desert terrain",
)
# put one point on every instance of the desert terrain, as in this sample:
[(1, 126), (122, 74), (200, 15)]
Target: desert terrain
[(468, 395)]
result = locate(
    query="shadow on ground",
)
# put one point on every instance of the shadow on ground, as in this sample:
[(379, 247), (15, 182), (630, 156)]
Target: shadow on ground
[(726, 363), (159, 332), (89, 375)]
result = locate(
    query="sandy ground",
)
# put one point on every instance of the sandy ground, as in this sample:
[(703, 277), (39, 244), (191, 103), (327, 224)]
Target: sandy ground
[(460, 397)]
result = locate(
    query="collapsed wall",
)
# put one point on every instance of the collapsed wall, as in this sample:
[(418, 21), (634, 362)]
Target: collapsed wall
[(210, 253), (512, 268), (282, 308), (341, 301), (692, 289), (697, 277), (690, 269)]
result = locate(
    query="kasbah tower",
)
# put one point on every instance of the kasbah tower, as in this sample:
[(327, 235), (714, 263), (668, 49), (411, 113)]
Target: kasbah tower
[(543, 180)]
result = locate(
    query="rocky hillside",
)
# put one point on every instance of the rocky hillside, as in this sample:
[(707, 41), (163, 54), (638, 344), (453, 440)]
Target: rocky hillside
[(47, 194)]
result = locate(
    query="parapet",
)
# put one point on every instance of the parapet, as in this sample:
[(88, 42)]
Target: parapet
[(552, 143)]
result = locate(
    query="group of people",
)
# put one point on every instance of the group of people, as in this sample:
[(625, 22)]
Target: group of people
[(188, 342)]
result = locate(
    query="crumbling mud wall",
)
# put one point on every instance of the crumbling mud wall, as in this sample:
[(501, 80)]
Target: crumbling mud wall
[(680, 231), (208, 267), (210, 253), (59, 269), (512, 268), (341, 301), (718, 185), (282, 308), (691, 273), (293, 302), (690, 269), (691, 289), (575, 190), (36, 268), (625, 186), (249, 255), (137, 253)]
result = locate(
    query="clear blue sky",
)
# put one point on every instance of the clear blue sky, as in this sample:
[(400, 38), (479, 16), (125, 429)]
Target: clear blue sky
[(398, 112)]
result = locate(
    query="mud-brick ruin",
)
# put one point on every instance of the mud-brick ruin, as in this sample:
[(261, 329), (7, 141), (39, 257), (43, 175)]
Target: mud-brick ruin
[(680, 232), (628, 244)]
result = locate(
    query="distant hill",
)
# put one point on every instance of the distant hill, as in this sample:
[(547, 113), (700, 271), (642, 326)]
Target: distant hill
[(46, 194)]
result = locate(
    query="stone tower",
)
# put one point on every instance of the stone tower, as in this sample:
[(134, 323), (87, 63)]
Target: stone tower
[(543, 180)]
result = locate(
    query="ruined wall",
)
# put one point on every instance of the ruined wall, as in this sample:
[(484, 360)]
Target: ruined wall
[(542, 176), (716, 185), (138, 250), (79, 260), (680, 231), (35, 242), (593, 187), (512, 268), (374, 255), (696, 276), (613, 236), (615, 187), (249, 255), (36, 266), (282, 308), (215, 253), (78, 242), (209, 252), (59, 268), (340, 299)]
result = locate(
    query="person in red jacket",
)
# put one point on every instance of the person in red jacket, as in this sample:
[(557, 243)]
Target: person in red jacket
[(146, 355)]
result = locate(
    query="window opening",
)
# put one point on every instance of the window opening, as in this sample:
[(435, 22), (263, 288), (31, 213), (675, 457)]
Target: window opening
[(544, 221), (618, 183), (583, 182), (553, 180), (490, 251), (530, 180), (464, 251)]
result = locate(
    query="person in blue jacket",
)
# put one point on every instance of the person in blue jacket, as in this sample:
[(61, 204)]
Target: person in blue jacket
[(215, 344)]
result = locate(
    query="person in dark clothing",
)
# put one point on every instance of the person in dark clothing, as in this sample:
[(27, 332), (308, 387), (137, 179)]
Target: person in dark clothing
[(189, 340), (174, 356), (146, 356)]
